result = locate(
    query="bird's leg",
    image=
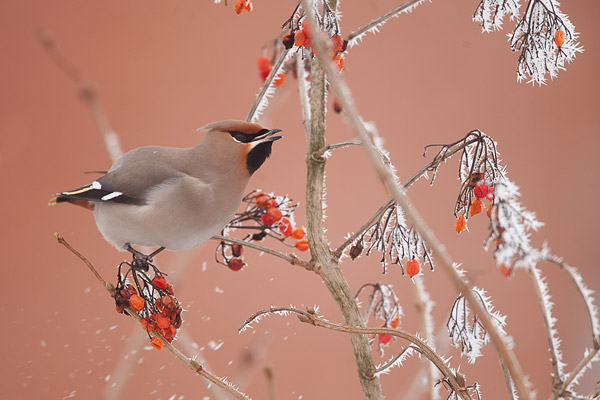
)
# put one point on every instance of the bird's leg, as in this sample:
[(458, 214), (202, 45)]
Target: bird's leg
[(140, 260)]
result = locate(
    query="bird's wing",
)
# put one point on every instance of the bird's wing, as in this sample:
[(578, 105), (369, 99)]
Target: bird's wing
[(131, 177)]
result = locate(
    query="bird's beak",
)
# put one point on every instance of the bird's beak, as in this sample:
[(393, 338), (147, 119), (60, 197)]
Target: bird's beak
[(267, 137)]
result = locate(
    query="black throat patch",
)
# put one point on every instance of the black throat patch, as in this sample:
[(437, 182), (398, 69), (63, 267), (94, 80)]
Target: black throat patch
[(257, 156)]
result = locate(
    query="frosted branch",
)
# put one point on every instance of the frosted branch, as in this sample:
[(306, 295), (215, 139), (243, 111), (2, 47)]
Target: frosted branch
[(373, 26), (311, 318)]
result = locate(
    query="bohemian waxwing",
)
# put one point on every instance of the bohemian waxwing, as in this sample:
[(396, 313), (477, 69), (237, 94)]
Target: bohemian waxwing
[(175, 198)]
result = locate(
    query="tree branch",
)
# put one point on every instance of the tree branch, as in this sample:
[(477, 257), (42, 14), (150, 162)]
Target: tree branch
[(87, 93), (456, 382), (321, 253), (192, 364), (291, 258)]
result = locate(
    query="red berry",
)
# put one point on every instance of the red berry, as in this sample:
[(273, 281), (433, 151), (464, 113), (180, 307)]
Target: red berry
[(285, 227), (160, 281), (266, 219), (235, 264), (275, 214), (384, 338), (481, 191)]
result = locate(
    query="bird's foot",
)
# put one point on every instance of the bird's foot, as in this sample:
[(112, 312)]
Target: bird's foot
[(140, 260)]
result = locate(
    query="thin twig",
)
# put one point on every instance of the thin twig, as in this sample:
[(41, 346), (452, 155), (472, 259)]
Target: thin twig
[(387, 177), (546, 316), (346, 143), (265, 87), (291, 258), (107, 285), (87, 93), (423, 306), (192, 364), (424, 348), (382, 19), (393, 360), (559, 392), (577, 280)]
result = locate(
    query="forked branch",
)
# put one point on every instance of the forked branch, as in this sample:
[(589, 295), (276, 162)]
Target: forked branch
[(191, 363)]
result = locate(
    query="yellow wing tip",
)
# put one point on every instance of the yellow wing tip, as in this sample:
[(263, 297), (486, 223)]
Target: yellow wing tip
[(52, 201)]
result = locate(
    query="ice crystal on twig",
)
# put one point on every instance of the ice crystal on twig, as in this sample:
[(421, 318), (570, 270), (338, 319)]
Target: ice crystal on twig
[(490, 13), (391, 236), (465, 328)]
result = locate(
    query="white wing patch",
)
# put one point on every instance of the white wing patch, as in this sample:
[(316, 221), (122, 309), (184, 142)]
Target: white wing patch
[(97, 185), (111, 195)]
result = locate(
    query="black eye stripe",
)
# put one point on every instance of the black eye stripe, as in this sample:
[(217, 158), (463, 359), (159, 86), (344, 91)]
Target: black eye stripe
[(246, 137)]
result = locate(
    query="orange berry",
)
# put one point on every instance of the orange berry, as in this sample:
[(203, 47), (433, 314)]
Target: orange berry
[(279, 79), (559, 38), (235, 264), (460, 224), (302, 245), (476, 207), (489, 211), (136, 302), (412, 267), (298, 233), (239, 6), (275, 214), (249, 5), (149, 327), (396, 321), (299, 38), (162, 321), (157, 343), (505, 270), (263, 201)]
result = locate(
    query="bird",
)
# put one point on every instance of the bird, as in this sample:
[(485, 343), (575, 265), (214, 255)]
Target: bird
[(175, 198)]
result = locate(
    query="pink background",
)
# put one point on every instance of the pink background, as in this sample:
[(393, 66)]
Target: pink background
[(165, 68)]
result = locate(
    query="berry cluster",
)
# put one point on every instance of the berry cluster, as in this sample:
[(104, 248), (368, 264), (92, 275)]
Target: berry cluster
[(265, 215), (153, 299), (480, 192)]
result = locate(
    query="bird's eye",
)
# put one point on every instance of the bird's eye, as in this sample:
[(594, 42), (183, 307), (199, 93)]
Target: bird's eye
[(239, 137)]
